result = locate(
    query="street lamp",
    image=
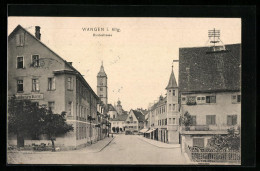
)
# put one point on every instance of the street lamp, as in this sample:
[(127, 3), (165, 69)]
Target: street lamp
[(90, 119)]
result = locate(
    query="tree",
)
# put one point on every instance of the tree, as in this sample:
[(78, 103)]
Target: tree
[(117, 129), (55, 124), (113, 129), (186, 120), (24, 118), (231, 141)]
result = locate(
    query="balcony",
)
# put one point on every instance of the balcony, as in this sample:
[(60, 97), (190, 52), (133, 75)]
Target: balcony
[(196, 128)]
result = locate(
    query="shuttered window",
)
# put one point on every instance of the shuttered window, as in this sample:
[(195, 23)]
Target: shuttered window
[(210, 119), (231, 120), (193, 120), (210, 99)]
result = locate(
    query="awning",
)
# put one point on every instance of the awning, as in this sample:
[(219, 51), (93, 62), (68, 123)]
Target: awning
[(143, 130), (151, 130)]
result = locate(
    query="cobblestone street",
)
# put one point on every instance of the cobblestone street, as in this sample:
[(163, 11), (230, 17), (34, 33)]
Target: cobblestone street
[(123, 149)]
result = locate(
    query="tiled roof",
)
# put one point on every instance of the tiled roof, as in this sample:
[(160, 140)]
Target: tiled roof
[(139, 116), (202, 71), (120, 118), (172, 81)]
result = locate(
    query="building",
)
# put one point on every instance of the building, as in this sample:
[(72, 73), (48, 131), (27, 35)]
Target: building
[(210, 90), (37, 73), (164, 115), (102, 85), (119, 122), (134, 121), (119, 108)]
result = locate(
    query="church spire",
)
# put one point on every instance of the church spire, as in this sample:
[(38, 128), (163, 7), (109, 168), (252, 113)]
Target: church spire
[(102, 72), (172, 81)]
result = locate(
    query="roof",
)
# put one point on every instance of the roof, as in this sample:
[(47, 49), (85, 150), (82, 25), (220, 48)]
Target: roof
[(102, 72), (120, 118), (110, 107), (67, 63), (172, 81), (202, 71), (139, 116)]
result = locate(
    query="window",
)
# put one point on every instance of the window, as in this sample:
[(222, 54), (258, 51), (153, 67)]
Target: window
[(169, 90), (173, 92), (20, 39), (166, 121), (173, 107), (51, 106), (101, 88), (210, 119), (69, 108), (231, 120), (183, 99), (170, 107), (198, 142), (35, 60), (19, 85), (201, 100), (101, 95), (236, 98), (173, 121), (134, 121), (35, 103), (70, 83), (191, 100), (170, 120), (35, 85), (51, 83), (20, 62), (193, 120), (210, 99)]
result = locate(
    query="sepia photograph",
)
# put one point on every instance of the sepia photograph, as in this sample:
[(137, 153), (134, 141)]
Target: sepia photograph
[(124, 90)]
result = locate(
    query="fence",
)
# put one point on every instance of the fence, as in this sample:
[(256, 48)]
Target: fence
[(204, 155)]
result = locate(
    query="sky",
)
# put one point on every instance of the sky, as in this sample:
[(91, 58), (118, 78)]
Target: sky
[(137, 57)]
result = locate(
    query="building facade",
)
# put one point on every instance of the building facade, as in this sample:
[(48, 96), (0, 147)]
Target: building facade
[(163, 116), (37, 73), (134, 121), (210, 91)]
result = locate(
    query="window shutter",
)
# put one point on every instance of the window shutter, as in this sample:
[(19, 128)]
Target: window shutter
[(53, 83), (213, 121), (234, 120), (229, 120), (17, 38), (208, 120)]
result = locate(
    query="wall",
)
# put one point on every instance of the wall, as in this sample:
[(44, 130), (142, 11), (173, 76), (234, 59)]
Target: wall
[(221, 109)]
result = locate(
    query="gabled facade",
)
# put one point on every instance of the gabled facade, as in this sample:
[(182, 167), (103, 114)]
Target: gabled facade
[(134, 121), (37, 73), (210, 91)]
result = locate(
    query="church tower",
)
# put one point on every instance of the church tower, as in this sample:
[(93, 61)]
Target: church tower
[(102, 84), (172, 109)]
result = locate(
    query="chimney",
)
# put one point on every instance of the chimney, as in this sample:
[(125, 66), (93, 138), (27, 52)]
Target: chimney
[(70, 63), (37, 32)]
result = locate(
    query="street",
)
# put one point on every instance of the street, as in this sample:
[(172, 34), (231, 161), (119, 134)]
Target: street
[(124, 149)]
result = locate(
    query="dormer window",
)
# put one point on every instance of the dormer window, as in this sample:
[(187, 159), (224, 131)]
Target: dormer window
[(173, 92)]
